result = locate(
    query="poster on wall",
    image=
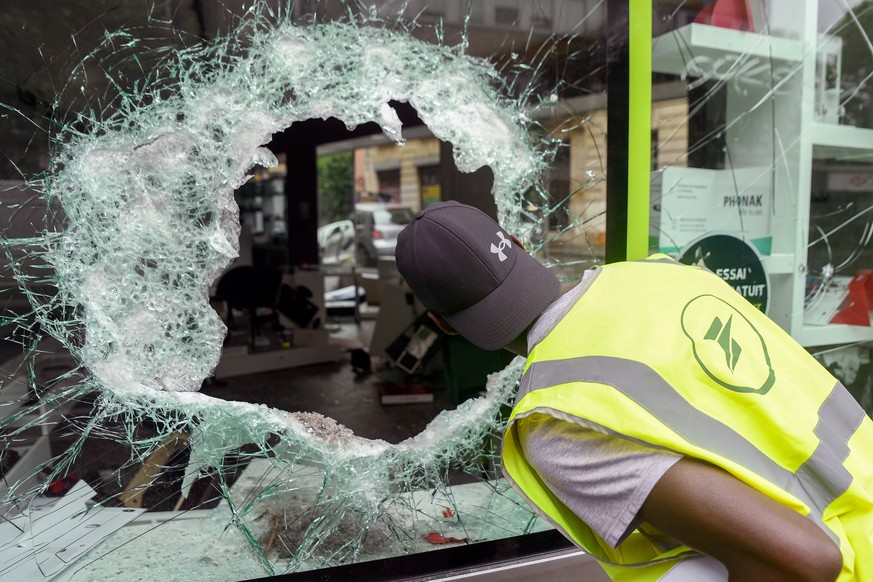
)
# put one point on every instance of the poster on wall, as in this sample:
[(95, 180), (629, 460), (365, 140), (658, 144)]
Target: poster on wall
[(688, 203), (430, 193), (735, 261)]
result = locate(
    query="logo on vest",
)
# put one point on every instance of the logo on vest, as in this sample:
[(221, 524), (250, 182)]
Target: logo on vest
[(498, 249), (727, 346)]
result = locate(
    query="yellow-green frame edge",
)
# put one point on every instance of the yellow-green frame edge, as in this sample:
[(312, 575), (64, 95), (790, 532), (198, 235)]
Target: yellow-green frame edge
[(639, 127)]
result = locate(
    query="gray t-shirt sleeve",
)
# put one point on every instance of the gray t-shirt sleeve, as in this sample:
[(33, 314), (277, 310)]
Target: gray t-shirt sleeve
[(601, 478)]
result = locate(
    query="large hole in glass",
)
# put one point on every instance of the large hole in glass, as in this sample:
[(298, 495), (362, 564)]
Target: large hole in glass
[(145, 198)]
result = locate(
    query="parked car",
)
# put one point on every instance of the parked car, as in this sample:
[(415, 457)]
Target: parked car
[(337, 242), (377, 226), (370, 234)]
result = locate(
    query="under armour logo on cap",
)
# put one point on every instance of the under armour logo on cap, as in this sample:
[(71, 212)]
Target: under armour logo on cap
[(498, 250), (487, 290)]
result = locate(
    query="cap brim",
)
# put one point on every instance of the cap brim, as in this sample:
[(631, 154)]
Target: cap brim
[(502, 315)]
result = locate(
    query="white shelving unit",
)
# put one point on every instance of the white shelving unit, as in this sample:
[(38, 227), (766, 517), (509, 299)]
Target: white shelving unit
[(843, 142), (773, 113), (689, 49)]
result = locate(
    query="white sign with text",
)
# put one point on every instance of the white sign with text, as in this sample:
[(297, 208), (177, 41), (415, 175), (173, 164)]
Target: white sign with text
[(690, 202)]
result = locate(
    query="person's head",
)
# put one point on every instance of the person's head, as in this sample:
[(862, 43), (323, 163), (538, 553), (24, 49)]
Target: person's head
[(472, 274)]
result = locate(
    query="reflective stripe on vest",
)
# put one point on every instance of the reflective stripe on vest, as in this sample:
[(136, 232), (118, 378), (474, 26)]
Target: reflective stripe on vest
[(818, 482)]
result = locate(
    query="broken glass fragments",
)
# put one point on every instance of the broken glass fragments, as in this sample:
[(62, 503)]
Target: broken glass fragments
[(144, 221)]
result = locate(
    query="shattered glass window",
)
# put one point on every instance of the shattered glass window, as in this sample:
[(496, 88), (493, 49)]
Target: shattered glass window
[(141, 164), (153, 148)]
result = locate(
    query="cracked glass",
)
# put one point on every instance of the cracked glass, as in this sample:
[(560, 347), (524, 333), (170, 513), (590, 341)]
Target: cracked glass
[(141, 154), (761, 162)]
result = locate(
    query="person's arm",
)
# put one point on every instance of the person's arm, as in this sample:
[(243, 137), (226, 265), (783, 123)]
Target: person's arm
[(755, 537)]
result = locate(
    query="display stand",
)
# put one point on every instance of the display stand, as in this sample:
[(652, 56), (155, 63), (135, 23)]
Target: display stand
[(306, 345)]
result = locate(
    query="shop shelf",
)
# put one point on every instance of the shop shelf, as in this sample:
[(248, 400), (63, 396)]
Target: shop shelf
[(718, 48), (842, 142)]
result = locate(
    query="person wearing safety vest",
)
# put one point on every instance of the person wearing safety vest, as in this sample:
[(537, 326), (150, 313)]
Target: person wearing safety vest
[(662, 423)]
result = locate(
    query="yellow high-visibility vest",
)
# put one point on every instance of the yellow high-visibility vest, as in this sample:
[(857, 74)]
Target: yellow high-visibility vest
[(670, 356)]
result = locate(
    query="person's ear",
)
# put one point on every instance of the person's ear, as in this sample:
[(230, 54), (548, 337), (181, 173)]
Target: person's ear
[(442, 323), (517, 241)]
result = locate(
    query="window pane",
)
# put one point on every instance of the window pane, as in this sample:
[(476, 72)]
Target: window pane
[(763, 162), (155, 134)]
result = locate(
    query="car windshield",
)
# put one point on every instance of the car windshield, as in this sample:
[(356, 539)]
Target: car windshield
[(392, 216)]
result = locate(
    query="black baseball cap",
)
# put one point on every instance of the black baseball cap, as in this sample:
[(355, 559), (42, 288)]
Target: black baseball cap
[(463, 266)]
